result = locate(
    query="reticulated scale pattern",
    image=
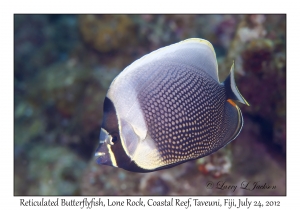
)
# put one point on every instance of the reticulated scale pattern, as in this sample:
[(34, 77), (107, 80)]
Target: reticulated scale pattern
[(184, 110)]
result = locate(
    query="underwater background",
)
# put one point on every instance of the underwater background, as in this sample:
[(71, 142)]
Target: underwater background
[(64, 64)]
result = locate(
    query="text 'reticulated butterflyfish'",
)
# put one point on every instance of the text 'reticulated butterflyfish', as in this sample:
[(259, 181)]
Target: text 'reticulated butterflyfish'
[(169, 107)]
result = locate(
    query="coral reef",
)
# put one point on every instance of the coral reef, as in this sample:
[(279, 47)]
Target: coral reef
[(106, 33), (260, 59)]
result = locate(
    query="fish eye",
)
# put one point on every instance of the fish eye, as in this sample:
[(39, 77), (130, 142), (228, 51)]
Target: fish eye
[(114, 139)]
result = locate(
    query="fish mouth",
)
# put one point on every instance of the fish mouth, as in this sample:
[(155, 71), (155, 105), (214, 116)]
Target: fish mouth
[(101, 150), (104, 155), (99, 154)]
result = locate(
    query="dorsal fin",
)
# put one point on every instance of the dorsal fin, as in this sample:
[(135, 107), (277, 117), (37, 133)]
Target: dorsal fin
[(232, 91), (201, 54), (194, 52)]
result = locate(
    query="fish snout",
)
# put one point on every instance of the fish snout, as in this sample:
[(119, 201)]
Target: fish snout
[(104, 153)]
